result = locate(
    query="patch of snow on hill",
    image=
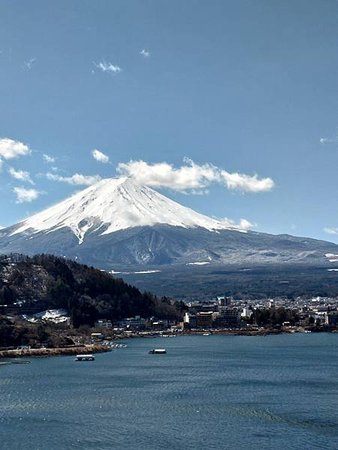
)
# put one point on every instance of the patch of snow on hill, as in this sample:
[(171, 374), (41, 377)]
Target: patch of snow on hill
[(198, 263), (147, 271), (332, 257)]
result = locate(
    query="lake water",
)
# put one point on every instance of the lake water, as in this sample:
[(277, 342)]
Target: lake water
[(207, 392)]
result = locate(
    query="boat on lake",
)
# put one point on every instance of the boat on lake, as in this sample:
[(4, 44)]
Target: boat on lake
[(85, 358), (158, 351), (19, 361)]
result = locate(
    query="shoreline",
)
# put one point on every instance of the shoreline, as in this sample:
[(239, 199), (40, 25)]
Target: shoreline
[(56, 351), (100, 348), (227, 332)]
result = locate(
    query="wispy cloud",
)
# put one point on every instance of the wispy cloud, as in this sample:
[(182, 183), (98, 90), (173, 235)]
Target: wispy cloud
[(108, 67), (10, 149), (48, 159), (145, 53), (191, 177), (331, 230), (25, 195), (28, 64), (246, 183), (329, 140), (243, 224), (99, 156), (77, 179), (21, 175)]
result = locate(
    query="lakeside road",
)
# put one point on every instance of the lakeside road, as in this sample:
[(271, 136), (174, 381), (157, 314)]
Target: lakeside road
[(58, 351)]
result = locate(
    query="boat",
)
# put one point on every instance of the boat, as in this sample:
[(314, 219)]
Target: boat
[(18, 361), (85, 358), (158, 351)]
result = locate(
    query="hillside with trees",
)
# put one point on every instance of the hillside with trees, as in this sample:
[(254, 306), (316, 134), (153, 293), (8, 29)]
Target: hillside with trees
[(32, 284)]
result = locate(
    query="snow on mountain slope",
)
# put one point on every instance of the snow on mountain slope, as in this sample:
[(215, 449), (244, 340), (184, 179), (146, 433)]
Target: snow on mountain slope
[(118, 224), (117, 204)]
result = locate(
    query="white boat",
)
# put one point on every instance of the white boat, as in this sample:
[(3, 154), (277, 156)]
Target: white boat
[(158, 351), (85, 358)]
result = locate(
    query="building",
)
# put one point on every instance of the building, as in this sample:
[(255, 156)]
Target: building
[(224, 301), (331, 319), (228, 318), (205, 319), (104, 323), (133, 323)]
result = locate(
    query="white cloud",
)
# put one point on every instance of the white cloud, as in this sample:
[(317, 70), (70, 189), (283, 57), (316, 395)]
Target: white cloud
[(331, 230), (1, 164), (145, 53), (99, 156), (246, 225), (76, 179), (108, 67), (48, 159), (329, 140), (191, 176), (246, 183), (28, 64), (26, 195), (243, 225), (21, 175), (10, 149)]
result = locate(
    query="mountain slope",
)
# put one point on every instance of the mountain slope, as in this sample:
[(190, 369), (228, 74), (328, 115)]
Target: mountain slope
[(112, 205), (117, 223)]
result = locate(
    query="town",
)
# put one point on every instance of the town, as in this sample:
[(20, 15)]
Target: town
[(222, 315), (225, 314)]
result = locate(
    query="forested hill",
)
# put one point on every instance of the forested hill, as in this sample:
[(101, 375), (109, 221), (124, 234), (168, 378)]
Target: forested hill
[(32, 284)]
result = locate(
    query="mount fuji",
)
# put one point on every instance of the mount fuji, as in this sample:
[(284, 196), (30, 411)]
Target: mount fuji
[(116, 221), (118, 225), (113, 205)]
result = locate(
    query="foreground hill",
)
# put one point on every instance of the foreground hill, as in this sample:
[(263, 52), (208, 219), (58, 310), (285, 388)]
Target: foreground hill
[(29, 285)]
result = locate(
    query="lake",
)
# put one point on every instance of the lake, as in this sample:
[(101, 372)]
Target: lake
[(207, 392)]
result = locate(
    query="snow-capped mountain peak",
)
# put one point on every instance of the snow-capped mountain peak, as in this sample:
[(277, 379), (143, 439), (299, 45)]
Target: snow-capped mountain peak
[(117, 204), (117, 223)]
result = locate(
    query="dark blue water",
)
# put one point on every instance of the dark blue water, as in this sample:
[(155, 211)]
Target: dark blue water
[(207, 392)]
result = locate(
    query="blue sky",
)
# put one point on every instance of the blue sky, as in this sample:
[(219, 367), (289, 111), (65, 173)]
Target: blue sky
[(238, 97)]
